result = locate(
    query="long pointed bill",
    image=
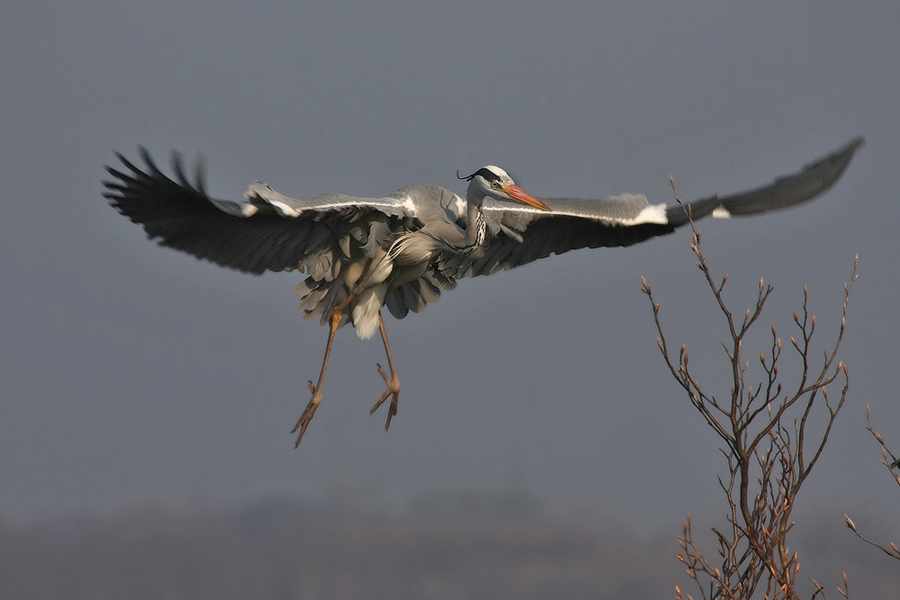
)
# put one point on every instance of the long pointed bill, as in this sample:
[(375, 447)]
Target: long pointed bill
[(520, 195)]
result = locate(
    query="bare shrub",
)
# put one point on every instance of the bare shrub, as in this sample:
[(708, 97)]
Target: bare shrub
[(772, 434)]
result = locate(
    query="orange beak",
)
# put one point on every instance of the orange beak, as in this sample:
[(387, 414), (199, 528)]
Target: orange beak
[(520, 195)]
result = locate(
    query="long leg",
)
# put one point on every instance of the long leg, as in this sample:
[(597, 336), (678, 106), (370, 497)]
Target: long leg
[(306, 417), (393, 382)]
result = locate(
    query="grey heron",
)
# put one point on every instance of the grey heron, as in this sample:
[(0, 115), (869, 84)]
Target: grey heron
[(404, 249)]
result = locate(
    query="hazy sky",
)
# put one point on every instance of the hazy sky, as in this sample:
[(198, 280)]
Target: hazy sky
[(134, 374)]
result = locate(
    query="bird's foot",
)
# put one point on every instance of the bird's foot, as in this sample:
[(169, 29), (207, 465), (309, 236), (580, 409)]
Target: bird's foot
[(393, 390), (306, 417)]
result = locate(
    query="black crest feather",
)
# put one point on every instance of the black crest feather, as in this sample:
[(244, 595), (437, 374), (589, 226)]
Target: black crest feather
[(484, 172)]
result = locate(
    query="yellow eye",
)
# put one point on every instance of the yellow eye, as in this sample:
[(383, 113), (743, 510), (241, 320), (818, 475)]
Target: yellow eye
[(495, 185)]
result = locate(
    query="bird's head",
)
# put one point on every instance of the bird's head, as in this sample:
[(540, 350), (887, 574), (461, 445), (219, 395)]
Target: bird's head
[(495, 182)]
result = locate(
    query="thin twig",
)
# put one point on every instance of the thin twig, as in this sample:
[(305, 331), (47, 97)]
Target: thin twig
[(889, 460)]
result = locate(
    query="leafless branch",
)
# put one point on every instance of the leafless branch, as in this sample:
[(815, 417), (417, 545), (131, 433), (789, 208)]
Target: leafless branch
[(889, 460)]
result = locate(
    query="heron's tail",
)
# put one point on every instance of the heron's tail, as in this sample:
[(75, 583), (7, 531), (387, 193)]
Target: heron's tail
[(365, 310)]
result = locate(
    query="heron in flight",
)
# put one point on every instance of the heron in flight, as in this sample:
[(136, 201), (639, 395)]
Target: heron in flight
[(404, 249)]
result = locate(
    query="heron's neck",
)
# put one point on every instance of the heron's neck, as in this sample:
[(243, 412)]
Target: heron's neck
[(476, 229)]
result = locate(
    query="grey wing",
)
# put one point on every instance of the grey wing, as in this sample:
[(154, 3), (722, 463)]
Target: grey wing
[(523, 234), (268, 231)]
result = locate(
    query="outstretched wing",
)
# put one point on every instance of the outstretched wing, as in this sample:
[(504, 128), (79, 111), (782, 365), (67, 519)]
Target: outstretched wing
[(523, 234), (267, 231)]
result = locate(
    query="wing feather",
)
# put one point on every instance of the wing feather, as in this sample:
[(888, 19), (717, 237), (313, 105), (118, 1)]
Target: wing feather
[(812, 180), (268, 231)]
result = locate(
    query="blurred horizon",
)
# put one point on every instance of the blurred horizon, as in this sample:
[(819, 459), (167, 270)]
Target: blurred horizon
[(465, 542)]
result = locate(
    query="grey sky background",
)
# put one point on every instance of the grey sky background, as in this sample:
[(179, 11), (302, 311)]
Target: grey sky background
[(132, 374)]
